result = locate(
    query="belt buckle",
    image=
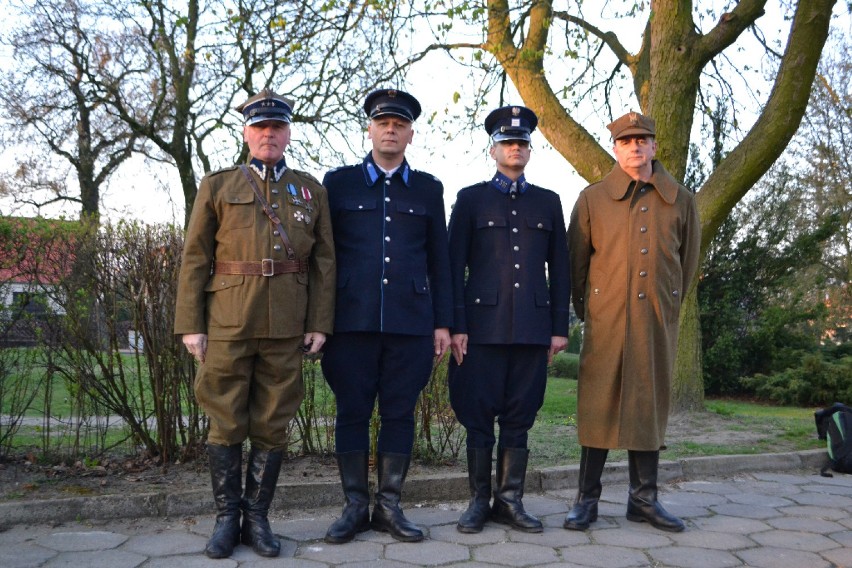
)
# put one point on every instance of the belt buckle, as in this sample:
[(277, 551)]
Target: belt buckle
[(267, 267)]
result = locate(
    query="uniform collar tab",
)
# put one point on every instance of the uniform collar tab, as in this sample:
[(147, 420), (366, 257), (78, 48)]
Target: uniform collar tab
[(502, 183), (262, 170), (372, 172)]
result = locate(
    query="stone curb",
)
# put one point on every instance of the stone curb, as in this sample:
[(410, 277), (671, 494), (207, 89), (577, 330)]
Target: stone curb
[(421, 489)]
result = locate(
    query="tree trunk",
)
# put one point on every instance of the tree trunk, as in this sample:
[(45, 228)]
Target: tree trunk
[(688, 383)]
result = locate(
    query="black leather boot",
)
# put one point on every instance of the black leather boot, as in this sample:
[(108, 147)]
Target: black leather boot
[(261, 477), (479, 478), (508, 508), (226, 476), (387, 515), (585, 509), (356, 512), (642, 505)]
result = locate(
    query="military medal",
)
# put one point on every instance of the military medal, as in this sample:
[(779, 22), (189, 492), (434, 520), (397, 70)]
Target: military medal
[(294, 195), (307, 219), (299, 216)]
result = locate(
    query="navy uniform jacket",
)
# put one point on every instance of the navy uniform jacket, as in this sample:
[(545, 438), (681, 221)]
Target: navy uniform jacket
[(505, 242), (393, 273)]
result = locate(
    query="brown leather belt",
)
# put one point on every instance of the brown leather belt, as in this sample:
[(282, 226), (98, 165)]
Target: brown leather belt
[(265, 267)]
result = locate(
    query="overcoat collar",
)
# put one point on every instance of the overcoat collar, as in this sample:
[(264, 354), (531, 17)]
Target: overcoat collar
[(617, 183), (372, 172)]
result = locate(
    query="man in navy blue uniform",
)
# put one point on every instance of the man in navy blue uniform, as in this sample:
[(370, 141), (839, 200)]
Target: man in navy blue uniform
[(511, 288), (392, 315)]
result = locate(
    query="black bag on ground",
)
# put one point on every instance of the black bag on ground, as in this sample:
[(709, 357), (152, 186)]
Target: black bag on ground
[(834, 425)]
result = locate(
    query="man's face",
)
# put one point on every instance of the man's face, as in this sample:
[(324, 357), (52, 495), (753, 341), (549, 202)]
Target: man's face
[(267, 140), (635, 152), (390, 135), (512, 154)]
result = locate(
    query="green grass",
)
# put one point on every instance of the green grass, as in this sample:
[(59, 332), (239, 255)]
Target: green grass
[(725, 427)]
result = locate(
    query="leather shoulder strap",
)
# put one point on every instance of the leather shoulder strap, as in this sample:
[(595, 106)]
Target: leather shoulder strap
[(273, 217)]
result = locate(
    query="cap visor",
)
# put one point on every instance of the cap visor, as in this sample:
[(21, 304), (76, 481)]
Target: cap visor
[(634, 132), (501, 136), (277, 118)]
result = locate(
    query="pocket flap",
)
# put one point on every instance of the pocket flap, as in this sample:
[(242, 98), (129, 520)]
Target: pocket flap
[(223, 282), (487, 222), (540, 223), (359, 204), (481, 297)]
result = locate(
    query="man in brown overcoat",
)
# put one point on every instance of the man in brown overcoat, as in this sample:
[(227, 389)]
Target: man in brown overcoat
[(634, 243), (256, 290)]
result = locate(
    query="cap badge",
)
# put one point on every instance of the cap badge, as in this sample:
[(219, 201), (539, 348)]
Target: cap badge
[(516, 111), (392, 93), (634, 118)]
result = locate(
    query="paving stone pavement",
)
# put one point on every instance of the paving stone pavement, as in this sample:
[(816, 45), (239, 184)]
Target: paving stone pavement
[(794, 519)]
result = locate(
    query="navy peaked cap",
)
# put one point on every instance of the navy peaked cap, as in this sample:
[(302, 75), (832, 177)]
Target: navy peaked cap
[(511, 123), (266, 105), (391, 101)]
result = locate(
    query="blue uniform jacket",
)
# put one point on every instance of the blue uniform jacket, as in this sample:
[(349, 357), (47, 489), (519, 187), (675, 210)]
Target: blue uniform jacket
[(390, 233), (499, 248)]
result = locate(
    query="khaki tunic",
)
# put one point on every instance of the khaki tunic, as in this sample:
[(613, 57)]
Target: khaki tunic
[(250, 384), (633, 253), (227, 223)]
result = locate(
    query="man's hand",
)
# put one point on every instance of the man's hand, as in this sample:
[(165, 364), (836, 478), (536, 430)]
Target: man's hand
[(314, 340), (196, 344), (442, 342), (459, 347), (557, 344)]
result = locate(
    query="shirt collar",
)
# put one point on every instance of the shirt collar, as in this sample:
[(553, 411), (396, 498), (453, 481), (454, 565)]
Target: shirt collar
[(262, 170), (503, 183), (372, 172)]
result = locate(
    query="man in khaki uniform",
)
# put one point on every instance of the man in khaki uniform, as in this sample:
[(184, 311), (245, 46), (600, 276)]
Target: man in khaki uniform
[(634, 243), (256, 290)]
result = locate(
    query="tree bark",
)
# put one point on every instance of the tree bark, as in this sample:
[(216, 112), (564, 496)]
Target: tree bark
[(666, 77)]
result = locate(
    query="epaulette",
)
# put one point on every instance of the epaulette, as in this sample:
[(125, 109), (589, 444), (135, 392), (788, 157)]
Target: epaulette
[(306, 174), (223, 170), (426, 174), (341, 168)]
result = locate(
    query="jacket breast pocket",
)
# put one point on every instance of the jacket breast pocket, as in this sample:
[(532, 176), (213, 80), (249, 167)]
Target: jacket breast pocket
[(239, 210), (358, 205), (540, 224), (225, 300), (480, 297), (415, 209), (490, 222)]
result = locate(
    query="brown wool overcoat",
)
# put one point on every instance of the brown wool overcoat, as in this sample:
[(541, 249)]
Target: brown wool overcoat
[(633, 255), (228, 223)]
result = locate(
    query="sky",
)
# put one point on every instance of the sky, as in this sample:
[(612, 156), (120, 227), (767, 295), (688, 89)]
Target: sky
[(152, 193)]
